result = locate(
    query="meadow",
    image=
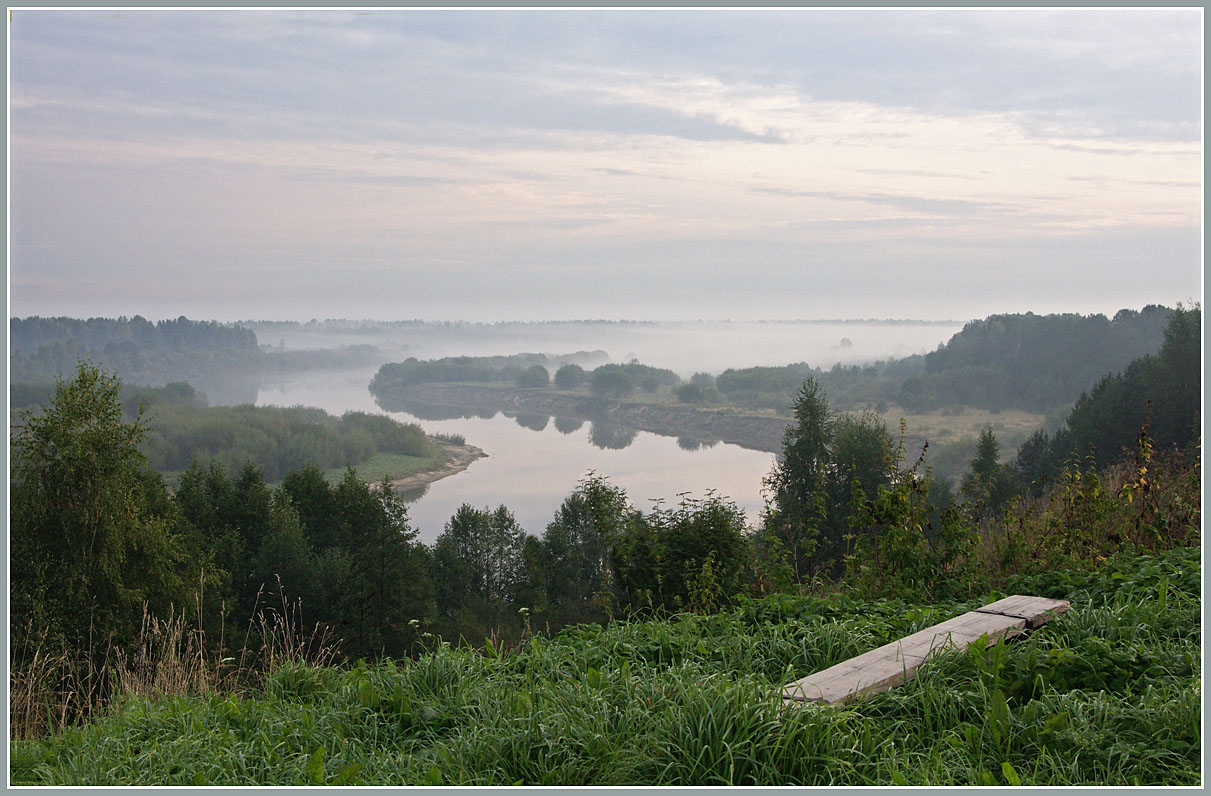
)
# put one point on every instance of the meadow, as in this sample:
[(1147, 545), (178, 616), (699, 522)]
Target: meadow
[(1108, 694)]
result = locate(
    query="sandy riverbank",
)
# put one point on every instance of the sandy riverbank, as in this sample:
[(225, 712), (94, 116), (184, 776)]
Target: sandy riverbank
[(461, 457)]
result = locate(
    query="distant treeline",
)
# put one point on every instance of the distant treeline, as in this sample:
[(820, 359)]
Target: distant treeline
[(1035, 363), (206, 354), (490, 369), (1160, 393), (338, 325), (138, 350)]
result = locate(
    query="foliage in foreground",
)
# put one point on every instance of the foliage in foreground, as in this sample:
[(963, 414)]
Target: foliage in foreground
[(1106, 695)]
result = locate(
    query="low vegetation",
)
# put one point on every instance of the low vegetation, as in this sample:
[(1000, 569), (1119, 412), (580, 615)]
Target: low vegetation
[(619, 647), (1106, 695), (179, 429)]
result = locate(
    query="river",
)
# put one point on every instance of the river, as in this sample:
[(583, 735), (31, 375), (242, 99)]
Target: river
[(534, 462)]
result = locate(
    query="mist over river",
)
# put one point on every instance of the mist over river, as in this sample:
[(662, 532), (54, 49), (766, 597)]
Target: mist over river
[(683, 346), (533, 462)]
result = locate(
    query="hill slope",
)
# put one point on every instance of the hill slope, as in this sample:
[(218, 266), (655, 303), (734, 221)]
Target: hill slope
[(1108, 694)]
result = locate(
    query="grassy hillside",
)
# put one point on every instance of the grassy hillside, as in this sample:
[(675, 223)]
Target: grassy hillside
[(1108, 694)]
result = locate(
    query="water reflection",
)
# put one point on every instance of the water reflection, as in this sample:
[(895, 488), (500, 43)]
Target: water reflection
[(693, 443), (610, 436), (532, 472), (568, 425), (414, 494), (427, 411), (534, 422)]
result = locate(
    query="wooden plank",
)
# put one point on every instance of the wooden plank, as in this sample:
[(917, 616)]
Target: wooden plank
[(1035, 610), (897, 662)]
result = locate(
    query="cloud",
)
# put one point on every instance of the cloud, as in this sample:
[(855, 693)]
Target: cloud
[(447, 147), (918, 204)]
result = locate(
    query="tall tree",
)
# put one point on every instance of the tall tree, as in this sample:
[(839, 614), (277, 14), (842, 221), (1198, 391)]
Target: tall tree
[(87, 551), (387, 583), (478, 565), (823, 456), (569, 377), (990, 484), (799, 479), (578, 541), (283, 565)]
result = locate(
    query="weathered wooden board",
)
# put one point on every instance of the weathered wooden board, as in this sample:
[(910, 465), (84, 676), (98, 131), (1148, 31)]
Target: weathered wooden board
[(897, 662), (1035, 610)]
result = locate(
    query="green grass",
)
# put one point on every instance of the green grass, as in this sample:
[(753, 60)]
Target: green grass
[(1108, 694), (391, 466), (381, 465)]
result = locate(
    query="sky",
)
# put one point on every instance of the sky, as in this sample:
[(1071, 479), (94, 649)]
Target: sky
[(535, 165)]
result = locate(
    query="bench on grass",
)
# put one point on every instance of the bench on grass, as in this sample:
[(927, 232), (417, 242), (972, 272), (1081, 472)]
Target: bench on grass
[(897, 662)]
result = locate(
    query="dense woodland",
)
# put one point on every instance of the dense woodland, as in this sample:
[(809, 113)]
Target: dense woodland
[(225, 362), (139, 351), (1035, 363), (100, 541)]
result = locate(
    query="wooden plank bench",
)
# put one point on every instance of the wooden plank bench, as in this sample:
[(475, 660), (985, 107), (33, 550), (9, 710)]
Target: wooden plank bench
[(897, 662)]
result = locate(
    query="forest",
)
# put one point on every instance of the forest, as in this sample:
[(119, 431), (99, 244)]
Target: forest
[(225, 362), (140, 351), (314, 593), (1035, 363)]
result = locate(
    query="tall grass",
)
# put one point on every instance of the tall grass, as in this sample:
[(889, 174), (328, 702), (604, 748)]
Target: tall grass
[(1149, 503), (1108, 694), (52, 686)]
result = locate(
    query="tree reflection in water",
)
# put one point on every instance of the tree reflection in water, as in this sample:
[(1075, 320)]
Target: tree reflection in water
[(427, 411), (534, 422), (610, 436), (414, 494), (693, 443), (568, 425)]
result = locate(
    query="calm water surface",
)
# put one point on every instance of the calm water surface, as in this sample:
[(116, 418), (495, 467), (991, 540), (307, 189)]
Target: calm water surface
[(534, 462), (531, 468)]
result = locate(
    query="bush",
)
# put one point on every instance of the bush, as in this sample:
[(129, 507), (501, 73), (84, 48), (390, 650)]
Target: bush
[(534, 376), (569, 377), (611, 381), (691, 394)]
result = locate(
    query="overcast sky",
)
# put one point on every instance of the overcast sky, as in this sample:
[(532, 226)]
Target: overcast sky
[(491, 165)]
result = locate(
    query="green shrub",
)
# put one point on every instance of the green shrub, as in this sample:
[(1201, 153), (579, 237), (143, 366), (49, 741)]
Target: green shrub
[(534, 376)]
